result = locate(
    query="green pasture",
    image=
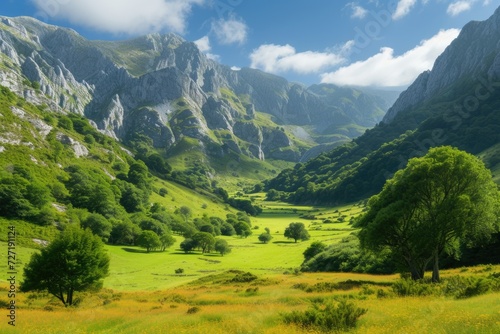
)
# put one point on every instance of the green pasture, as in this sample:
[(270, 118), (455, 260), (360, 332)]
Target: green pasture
[(131, 268)]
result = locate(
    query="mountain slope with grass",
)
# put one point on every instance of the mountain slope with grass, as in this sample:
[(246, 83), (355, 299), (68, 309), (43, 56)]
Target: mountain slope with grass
[(56, 169), (457, 104)]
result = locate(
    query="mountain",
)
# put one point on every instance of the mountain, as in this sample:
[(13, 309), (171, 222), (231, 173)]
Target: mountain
[(164, 88), (457, 103)]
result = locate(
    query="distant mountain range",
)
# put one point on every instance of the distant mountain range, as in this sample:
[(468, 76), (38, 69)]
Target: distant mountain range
[(163, 87), (457, 103)]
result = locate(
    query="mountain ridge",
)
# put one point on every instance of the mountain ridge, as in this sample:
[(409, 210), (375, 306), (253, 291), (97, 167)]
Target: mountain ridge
[(165, 87), (455, 104)]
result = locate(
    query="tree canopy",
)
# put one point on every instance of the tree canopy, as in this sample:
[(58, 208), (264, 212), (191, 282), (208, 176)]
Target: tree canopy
[(434, 205), (149, 240), (74, 261), (296, 231)]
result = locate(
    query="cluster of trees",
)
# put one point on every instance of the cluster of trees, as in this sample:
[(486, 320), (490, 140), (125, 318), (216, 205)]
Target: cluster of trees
[(440, 207), (234, 224), (436, 203), (206, 243)]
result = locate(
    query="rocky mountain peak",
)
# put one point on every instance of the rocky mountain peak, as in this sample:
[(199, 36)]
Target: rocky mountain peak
[(163, 86), (475, 52)]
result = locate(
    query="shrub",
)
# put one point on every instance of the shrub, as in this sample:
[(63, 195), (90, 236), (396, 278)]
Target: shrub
[(193, 310), (466, 287), (409, 287), (179, 271), (328, 317), (163, 192), (244, 278)]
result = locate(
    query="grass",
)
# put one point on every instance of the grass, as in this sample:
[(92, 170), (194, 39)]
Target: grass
[(215, 305)]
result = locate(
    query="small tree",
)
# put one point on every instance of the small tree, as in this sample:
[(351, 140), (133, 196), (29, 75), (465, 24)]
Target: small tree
[(188, 245), (242, 229), (185, 212), (313, 250), (265, 238), (149, 240), (99, 225), (166, 240), (74, 261), (205, 241), (296, 231), (222, 247), (227, 229)]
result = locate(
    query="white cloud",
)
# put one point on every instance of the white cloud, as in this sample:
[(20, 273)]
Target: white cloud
[(403, 8), (459, 7), (387, 70), (122, 16), (282, 58), (230, 31), (358, 12), (235, 68), (204, 46)]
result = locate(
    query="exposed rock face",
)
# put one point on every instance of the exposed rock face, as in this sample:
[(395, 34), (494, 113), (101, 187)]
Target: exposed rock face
[(79, 149), (164, 87), (473, 53)]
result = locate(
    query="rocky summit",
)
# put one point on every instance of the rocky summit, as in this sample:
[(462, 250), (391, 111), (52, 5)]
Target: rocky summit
[(165, 88)]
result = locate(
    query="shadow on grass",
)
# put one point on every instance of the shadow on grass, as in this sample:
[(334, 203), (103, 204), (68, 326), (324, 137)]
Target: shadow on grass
[(212, 254), (134, 250), (284, 242)]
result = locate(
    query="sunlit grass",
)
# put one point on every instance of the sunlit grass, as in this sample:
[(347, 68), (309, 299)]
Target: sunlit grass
[(254, 307)]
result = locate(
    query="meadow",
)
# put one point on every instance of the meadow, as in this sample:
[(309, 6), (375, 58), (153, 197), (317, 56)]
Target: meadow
[(246, 291)]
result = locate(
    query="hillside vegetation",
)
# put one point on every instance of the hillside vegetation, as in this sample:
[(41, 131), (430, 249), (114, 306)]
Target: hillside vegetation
[(360, 168)]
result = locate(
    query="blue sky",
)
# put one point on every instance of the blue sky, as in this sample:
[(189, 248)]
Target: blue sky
[(361, 43)]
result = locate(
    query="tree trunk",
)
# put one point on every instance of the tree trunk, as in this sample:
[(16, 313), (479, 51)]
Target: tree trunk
[(70, 297), (435, 269), (416, 272)]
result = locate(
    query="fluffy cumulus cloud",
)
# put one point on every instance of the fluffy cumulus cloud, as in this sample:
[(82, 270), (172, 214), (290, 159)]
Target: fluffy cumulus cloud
[(283, 58), (121, 16), (387, 70), (230, 31), (204, 46), (458, 7), (403, 8)]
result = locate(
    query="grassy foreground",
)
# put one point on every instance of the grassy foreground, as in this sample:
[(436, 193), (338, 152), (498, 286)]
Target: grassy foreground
[(220, 304)]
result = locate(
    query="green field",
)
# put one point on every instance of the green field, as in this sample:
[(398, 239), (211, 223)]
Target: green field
[(143, 294)]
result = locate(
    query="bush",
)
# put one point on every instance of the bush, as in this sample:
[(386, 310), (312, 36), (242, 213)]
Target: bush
[(409, 287), (193, 310), (466, 287), (328, 317), (244, 278)]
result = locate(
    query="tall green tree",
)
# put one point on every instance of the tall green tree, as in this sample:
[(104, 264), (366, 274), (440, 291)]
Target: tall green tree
[(149, 240), (74, 261), (434, 205), (296, 231), (166, 240), (205, 241), (222, 247)]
